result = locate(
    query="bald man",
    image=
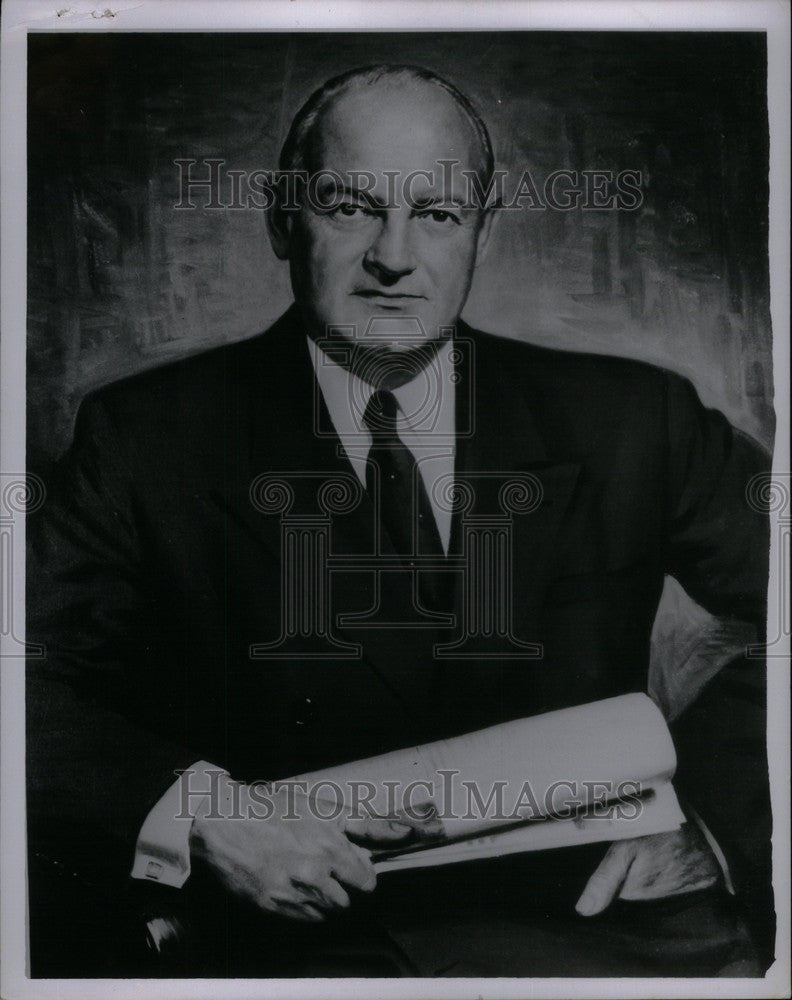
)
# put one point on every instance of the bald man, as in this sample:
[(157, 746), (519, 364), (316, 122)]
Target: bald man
[(160, 585)]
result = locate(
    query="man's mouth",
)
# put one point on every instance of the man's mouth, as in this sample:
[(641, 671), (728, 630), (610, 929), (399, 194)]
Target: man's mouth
[(394, 297), (388, 300)]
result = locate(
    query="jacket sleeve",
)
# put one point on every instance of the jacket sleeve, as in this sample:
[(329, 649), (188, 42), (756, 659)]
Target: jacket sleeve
[(93, 770), (717, 539), (718, 548)]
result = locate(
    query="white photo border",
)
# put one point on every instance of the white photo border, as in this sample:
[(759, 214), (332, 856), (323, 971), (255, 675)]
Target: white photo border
[(20, 17)]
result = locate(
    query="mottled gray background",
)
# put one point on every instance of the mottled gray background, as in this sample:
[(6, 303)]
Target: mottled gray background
[(119, 281)]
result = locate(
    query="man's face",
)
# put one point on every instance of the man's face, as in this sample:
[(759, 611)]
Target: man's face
[(388, 261)]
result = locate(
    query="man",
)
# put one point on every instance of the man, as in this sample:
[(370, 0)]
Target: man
[(162, 587)]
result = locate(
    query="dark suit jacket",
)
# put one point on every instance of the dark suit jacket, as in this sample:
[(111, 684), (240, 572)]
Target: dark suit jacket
[(151, 573)]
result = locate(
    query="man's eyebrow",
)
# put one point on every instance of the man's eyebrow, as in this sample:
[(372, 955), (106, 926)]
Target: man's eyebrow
[(430, 200), (351, 191), (421, 202)]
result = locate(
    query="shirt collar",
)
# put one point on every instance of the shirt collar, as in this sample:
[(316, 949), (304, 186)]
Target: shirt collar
[(426, 402)]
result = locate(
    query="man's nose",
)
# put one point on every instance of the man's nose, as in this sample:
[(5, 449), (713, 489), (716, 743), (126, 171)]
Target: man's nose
[(390, 256)]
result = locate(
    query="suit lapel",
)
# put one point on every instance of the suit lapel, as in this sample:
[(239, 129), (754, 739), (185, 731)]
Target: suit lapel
[(511, 476), (292, 451)]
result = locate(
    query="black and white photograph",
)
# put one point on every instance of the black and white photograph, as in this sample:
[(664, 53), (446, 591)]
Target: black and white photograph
[(395, 500)]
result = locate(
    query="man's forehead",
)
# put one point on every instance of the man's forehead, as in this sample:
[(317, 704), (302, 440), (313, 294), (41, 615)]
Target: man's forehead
[(395, 126)]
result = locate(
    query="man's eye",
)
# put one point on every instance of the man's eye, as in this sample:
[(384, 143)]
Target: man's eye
[(348, 210), (439, 216)]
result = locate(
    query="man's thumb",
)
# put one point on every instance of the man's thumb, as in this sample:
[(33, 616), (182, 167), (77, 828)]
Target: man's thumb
[(604, 885), (375, 828)]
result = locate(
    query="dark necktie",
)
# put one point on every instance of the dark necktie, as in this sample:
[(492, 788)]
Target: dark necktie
[(394, 480)]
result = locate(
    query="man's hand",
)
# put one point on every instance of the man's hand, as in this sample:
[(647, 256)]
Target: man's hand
[(663, 864), (302, 867)]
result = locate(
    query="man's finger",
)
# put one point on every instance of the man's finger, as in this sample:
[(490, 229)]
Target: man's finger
[(353, 868), (604, 885), (377, 829), (327, 893), (300, 910), (392, 829)]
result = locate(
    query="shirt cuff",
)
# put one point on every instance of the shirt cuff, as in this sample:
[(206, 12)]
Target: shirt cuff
[(162, 851)]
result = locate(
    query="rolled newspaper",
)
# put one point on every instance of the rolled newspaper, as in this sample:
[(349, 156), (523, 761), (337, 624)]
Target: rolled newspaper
[(599, 771)]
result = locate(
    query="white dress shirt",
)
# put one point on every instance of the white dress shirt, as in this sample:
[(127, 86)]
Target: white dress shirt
[(426, 424)]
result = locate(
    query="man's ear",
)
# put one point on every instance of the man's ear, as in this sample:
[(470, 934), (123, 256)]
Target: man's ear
[(484, 234), (279, 227)]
